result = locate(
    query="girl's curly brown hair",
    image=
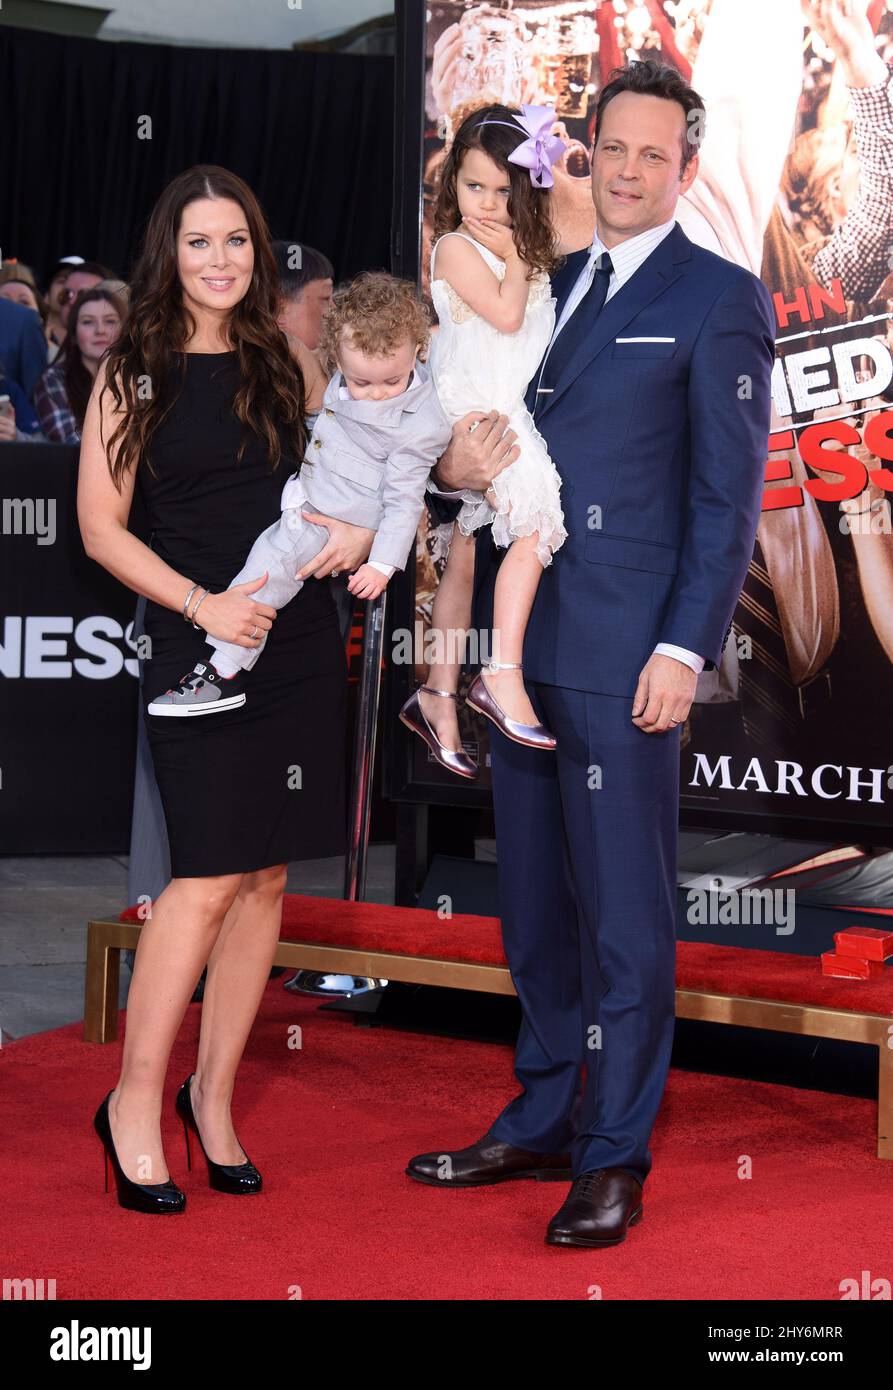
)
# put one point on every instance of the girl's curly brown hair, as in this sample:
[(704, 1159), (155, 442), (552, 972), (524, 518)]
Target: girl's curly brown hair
[(151, 347), (529, 207), (379, 312)]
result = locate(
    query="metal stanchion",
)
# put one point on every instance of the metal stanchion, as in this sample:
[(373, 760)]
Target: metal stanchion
[(364, 750), (312, 982)]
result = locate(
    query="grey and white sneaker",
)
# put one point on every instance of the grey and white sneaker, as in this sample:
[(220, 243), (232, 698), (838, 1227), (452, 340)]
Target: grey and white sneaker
[(202, 691)]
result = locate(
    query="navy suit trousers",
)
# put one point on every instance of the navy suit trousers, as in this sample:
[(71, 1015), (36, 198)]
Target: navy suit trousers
[(586, 843)]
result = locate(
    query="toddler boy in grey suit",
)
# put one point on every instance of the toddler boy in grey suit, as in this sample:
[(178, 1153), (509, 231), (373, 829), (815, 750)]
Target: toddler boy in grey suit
[(367, 463)]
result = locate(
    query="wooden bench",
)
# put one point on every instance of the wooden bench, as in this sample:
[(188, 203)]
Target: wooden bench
[(715, 984)]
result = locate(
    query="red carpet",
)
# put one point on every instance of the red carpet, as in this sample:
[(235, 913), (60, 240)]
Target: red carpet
[(331, 1127)]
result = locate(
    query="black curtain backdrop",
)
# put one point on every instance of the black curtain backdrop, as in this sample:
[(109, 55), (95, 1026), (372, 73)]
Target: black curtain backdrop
[(311, 133)]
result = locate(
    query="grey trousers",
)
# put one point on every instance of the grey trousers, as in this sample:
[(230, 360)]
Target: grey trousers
[(282, 550), (149, 865)]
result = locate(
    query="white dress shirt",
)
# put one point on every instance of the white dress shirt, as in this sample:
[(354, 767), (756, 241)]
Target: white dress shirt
[(344, 393), (626, 257)]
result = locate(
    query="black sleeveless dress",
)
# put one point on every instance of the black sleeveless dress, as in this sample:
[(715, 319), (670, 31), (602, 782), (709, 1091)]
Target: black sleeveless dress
[(265, 783)]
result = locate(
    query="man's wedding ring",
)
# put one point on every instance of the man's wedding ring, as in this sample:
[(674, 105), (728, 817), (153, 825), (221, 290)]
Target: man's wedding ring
[(254, 633), (674, 721)]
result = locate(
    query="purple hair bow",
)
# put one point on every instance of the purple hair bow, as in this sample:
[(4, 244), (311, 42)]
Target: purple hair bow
[(540, 150)]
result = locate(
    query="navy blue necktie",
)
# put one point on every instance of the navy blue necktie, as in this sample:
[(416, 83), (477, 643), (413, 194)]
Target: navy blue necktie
[(574, 331)]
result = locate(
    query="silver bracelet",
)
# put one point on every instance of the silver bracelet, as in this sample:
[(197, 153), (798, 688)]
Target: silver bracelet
[(186, 604), (198, 601), (198, 606)]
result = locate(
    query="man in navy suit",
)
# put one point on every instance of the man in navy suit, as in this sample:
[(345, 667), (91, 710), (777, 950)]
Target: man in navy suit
[(655, 409)]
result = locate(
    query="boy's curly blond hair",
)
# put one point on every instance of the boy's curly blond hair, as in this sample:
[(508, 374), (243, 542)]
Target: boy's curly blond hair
[(379, 313)]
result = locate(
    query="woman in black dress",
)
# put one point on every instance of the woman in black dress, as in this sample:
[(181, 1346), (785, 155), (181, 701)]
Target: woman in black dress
[(200, 405)]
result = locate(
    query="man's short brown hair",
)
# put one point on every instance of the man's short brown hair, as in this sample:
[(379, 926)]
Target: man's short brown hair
[(652, 79)]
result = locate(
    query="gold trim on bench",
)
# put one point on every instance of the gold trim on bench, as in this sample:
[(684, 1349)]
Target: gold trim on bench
[(107, 937), (778, 1015)]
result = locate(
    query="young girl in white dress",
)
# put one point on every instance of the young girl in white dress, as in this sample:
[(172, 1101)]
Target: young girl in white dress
[(494, 248)]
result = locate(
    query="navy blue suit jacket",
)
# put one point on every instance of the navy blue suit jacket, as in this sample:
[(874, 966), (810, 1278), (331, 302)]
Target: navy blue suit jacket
[(23, 347), (661, 448)]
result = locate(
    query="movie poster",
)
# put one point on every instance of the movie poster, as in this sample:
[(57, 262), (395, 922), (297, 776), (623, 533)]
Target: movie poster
[(795, 183)]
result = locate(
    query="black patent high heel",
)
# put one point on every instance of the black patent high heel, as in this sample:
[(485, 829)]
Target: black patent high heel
[(234, 1178), (161, 1197)]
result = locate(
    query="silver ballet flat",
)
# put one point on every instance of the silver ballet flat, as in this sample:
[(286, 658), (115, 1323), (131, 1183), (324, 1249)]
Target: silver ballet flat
[(479, 697), (413, 716)]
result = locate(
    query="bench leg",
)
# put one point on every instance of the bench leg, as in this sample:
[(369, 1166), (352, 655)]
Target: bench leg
[(885, 1095), (101, 986)]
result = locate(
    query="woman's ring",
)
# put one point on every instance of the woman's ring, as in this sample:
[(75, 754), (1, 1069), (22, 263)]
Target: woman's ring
[(335, 574)]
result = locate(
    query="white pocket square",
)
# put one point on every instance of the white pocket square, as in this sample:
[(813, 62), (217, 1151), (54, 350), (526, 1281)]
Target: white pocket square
[(644, 340)]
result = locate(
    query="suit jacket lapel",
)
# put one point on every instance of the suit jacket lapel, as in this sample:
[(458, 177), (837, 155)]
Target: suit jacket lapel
[(654, 275), (562, 284)]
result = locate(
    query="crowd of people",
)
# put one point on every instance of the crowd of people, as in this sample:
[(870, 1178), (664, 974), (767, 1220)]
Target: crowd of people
[(55, 331)]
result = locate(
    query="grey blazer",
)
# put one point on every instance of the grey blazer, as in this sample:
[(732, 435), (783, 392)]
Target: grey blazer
[(367, 462)]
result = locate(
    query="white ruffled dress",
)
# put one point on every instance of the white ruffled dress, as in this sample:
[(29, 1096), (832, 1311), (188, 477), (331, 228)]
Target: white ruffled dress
[(477, 367)]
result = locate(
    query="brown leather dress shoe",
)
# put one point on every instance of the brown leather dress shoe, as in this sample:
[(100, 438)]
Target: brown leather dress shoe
[(487, 1161), (598, 1209)]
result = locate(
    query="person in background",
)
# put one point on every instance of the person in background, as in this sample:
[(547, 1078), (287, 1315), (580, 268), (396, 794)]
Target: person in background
[(61, 292), (23, 348), (63, 391), (306, 286), (14, 269), (85, 276), (302, 305), (56, 295), (18, 419), (306, 283), (118, 287), (21, 290)]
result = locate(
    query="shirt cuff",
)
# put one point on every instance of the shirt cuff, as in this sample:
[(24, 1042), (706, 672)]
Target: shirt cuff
[(387, 570), (681, 654), (460, 494), (874, 102)]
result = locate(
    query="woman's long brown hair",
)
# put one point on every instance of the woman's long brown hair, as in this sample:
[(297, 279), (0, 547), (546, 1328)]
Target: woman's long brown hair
[(144, 373), (532, 228)]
